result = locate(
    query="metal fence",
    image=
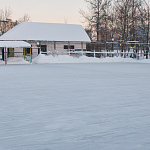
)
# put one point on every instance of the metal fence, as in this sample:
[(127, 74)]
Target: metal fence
[(130, 49)]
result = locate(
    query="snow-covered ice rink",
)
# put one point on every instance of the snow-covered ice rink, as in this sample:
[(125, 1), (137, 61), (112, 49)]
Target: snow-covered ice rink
[(89, 106)]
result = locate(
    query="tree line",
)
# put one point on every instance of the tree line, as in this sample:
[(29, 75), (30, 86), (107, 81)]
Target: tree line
[(6, 23), (123, 20)]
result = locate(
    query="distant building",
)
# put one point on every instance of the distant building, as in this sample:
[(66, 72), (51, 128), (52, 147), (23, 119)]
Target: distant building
[(10, 24), (48, 38), (6, 25)]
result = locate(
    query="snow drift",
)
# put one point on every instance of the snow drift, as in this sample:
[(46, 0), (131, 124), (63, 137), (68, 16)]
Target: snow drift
[(43, 59), (48, 59)]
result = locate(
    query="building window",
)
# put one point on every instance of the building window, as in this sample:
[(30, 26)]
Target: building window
[(68, 46), (43, 48), (27, 51)]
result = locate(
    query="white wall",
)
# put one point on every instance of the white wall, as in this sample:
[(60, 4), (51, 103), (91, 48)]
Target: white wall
[(59, 47), (50, 48), (18, 50)]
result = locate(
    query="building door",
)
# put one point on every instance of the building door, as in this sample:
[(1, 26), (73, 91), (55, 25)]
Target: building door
[(10, 52), (43, 48)]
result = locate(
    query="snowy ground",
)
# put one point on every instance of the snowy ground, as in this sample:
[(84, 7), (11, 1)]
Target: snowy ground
[(14, 61), (90, 106), (44, 59)]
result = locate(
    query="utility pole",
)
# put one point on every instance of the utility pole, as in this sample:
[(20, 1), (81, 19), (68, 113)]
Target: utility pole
[(98, 20), (3, 30), (133, 23), (113, 30), (106, 19), (147, 36), (147, 46)]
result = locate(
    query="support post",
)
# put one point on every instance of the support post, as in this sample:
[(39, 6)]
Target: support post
[(54, 48), (30, 56), (24, 53), (5, 57), (40, 46), (82, 47), (94, 53), (117, 49), (106, 49), (138, 54), (69, 47)]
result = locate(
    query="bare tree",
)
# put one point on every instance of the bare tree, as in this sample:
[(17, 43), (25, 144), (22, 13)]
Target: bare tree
[(97, 18), (125, 18), (5, 15), (25, 18), (6, 22), (130, 19)]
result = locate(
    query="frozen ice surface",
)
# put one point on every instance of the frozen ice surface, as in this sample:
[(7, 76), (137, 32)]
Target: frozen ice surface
[(92, 106)]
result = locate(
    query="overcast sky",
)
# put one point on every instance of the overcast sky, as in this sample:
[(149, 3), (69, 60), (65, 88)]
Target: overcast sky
[(53, 11)]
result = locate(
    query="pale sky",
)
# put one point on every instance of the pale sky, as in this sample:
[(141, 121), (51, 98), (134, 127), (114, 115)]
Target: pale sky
[(51, 11)]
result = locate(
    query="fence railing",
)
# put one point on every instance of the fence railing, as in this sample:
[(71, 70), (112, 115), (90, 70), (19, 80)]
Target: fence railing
[(126, 54), (140, 54)]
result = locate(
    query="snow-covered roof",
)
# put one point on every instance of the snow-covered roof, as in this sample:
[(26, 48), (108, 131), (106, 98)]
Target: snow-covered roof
[(27, 31), (14, 44)]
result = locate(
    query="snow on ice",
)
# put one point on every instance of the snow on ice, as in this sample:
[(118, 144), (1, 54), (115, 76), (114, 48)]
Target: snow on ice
[(75, 106)]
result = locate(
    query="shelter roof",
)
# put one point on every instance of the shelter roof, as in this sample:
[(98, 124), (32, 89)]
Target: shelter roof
[(13, 44), (35, 31)]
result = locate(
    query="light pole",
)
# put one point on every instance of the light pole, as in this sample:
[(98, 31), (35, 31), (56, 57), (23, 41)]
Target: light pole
[(112, 44), (38, 45)]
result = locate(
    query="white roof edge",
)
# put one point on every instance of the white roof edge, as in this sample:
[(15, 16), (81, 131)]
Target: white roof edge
[(27, 31), (47, 41), (14, 44)]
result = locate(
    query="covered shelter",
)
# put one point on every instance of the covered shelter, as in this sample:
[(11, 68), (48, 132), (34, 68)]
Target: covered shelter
[(49, 38), (7, 46)]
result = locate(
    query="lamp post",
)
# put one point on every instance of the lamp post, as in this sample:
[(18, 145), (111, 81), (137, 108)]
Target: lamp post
[(38, 45), (112, 44)]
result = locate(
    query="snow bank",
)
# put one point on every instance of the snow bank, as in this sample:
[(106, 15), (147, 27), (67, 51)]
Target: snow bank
[(144, 61), (43, 59)]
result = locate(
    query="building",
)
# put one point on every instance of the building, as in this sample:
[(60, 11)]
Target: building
[(6, 48), (47, 38), (6, 25)]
